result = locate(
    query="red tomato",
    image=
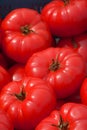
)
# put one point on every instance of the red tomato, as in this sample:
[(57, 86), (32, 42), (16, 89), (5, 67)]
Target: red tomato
[(83, 92), (24, 33), (66, 17), (27, 102), (71, 116), (4, 77), (62, 68), (78, 43), (5, 122), (17, 72)]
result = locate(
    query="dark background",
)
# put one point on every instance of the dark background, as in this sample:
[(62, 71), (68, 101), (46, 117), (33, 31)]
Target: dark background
[(7, 5)]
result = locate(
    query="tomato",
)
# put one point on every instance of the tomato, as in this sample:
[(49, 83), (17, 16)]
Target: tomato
[(5, 77), (17, 72), (71, 116), (83, 92), (24, 33), (78, 43), (5, 121), (62, 68), (27, 102), (66, 17)]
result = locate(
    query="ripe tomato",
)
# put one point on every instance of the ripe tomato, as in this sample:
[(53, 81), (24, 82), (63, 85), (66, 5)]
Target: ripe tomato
[(62, 68), (24, 33), (17, 72), (5, 121), (66, 17), (71, 116), (27, 102), (78, 43), (83, 92), (4, 77)]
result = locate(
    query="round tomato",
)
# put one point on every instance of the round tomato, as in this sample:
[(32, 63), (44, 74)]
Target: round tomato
[(71, 116), (66, 17), (27, 102), (78, 43), (5, 121), (24, 33), (62, 68)]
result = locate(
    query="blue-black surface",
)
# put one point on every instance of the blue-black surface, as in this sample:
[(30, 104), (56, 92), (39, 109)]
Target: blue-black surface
[(7, 5)]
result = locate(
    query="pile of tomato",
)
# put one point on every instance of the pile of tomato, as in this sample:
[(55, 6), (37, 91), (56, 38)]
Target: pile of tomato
[(43, 67)]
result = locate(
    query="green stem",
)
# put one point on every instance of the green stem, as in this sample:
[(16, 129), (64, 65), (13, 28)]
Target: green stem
[(25, 29), (66, 2), (55, 65), (21, 96), (61, 125)]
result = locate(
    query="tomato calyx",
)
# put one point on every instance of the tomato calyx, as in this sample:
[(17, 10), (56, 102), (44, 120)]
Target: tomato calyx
[(21, 96), (55, 65), (66, 2), (61, 125), (25, 30)]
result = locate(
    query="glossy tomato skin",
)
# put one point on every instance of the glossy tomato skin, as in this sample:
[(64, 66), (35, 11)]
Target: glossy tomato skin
[(83, 92), (5, 121), (78, 43), (71, 115), (67, 18), (24, 33), (62, 68), (17, 72), (27, 102)]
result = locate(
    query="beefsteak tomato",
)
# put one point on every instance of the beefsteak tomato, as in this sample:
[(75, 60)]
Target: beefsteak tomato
[(71, 116), (66, 17), (27, 102), (24, 32), (62, 68)]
